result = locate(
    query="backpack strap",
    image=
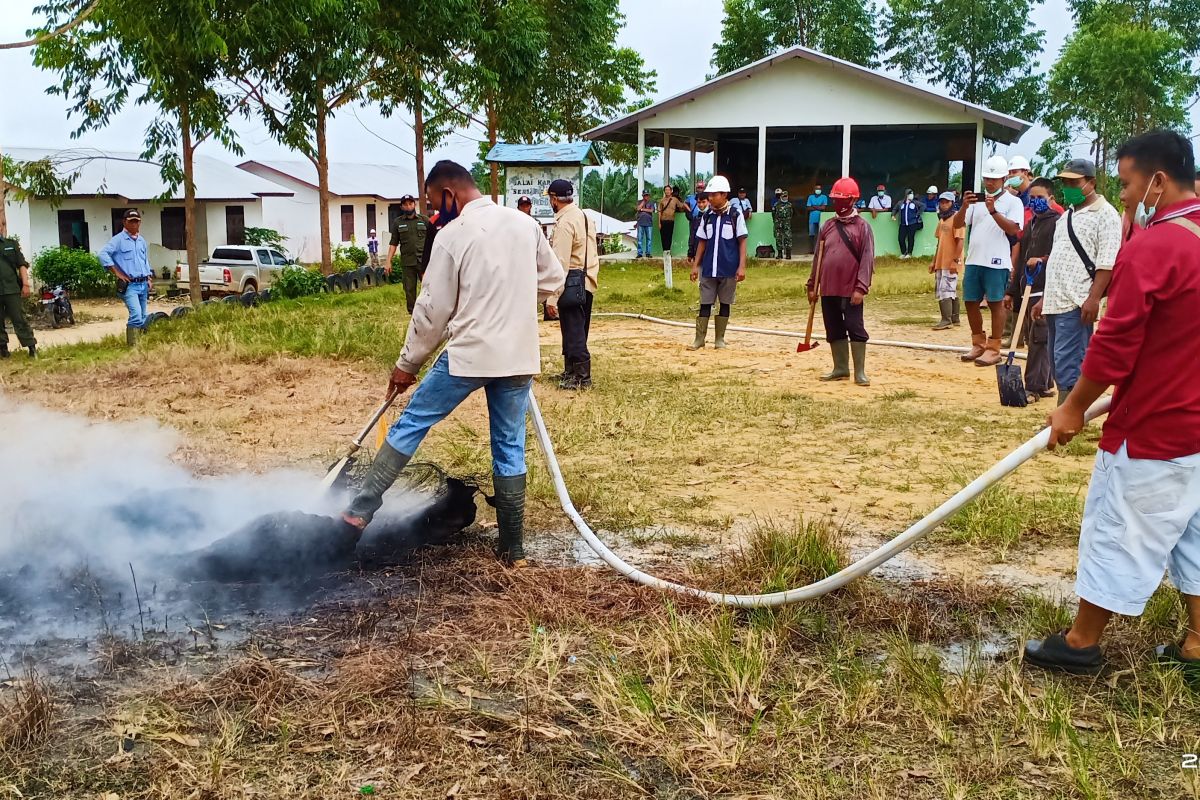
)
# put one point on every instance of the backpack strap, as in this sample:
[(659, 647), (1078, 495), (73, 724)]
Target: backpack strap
[(1186, 224)]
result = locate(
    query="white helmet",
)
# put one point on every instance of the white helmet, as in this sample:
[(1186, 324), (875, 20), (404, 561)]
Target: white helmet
[(931, 190), (717, 183), (996, 167), (1019, 162)]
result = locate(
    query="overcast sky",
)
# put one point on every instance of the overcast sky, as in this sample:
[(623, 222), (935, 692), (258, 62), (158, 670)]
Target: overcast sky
[(673, 37)]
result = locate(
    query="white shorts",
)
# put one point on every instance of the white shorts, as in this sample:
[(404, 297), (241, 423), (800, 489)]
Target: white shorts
[(1141, 517)]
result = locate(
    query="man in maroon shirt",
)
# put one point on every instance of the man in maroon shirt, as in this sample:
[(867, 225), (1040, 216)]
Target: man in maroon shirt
[(1143, 507)]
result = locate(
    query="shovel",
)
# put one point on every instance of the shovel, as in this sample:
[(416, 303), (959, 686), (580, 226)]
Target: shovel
[(339, 470), (1008, 374), (808, 343)]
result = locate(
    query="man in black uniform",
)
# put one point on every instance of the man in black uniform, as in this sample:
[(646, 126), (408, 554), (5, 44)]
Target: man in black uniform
[(408, 233), (14, 285)]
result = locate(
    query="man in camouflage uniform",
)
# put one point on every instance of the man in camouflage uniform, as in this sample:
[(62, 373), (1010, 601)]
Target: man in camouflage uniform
[(782, 212), (14, 285), (409, 231)]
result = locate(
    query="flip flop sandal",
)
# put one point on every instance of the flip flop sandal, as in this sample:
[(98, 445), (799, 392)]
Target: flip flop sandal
[(1171, 655), (1053, 653)]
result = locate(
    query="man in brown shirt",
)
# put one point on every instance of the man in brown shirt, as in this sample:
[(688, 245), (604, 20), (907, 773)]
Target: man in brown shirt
[(947, 261)]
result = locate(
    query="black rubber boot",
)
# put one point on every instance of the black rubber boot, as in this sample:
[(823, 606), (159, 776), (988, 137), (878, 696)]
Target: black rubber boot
[(568, 369), (4, 350), (787, 253), (510, 518), (383, 473), (580, 377), (32, 351)]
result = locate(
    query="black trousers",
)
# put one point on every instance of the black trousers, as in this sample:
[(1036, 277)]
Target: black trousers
[(843, 320), (666, 232), (576, 324), (908, 239), (693, 224)]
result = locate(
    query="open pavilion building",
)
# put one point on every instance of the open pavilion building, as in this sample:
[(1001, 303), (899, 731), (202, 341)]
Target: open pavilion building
[(801, 118)]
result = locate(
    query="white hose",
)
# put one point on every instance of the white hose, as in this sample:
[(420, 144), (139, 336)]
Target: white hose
[(859, 568), (941, 348)]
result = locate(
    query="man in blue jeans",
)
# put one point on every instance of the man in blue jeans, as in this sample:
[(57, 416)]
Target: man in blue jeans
[(488, 269), (127, 256)]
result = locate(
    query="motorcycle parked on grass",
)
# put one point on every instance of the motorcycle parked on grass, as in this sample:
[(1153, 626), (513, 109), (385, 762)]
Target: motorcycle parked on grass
[(56, 305)]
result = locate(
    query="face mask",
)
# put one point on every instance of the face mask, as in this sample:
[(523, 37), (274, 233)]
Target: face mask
[(447, 215), (1073, 195), (990, 193), (1143, 215), (1040, 205), (880, 193), (818, 191), (843, 205), (1013, 182)]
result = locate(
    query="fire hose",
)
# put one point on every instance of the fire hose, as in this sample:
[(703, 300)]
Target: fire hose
[(883, 553)]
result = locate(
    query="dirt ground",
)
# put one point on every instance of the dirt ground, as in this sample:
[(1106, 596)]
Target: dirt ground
[(104, 318)]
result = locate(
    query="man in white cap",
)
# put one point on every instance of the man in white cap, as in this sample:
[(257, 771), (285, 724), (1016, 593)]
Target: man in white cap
[(373, 247), (994, 218), (1020, 176), (931, 200)]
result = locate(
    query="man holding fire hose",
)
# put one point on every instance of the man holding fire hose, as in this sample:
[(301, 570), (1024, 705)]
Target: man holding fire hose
[(488, 268)]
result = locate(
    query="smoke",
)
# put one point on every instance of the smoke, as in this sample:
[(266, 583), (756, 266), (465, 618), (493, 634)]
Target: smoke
[(83, 502)]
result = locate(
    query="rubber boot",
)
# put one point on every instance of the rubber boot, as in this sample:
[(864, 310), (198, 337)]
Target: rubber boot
[(580, 377), (1063, 394), (701, 333), (841, 361), (787, 253), (978, 345), (991, 355), (4, 350), (722, 324), (132, 335), (383, 473), (510, 519), (947, 319), (954, 312), (32, 350), (859, 351), (568, 370)]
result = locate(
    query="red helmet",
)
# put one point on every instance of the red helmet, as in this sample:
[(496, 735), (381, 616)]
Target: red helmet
[(845, 187)]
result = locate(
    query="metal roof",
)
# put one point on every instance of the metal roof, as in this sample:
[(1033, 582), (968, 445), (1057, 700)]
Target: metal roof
[(997, 126), (125, 175), (382, 181), (555, 153)]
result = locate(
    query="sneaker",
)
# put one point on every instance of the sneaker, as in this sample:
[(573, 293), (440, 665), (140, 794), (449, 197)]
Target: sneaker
[(1053, 653)]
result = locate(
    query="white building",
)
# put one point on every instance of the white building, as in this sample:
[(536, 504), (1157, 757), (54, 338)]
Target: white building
[(108, 183), (362, 197)]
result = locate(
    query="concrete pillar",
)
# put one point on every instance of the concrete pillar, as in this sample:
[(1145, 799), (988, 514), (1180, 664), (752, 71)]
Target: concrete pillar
[(666, 158), (978, 157), (762, 169), (641, 157), (692, 186), (845, 150)]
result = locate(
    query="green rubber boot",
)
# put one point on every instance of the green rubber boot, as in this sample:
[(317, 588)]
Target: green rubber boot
[(722, 324), (383, 473), (859, 351), (510, 518), (947, 320), (841, 361), (701, 333), (132, 335)]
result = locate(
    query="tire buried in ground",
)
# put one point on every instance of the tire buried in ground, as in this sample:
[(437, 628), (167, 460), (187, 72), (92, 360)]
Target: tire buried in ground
[(265, 296), (232, 299), (155, 318), (181, 311), (331, 284), (249, 299), (366, 278)]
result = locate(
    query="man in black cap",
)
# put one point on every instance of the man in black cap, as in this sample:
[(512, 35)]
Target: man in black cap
[(525, 205), (575, 245), (127, 256), (409, 230), (743, 204)]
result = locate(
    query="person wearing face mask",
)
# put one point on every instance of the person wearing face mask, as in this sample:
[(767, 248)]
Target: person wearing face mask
[(995, 218), (720, 263), (574, 242), (846, 266), (1020, 177), (1142, 515), (882, 201), (816, 203), (932, 200), (1037, 239), (947, 262), (1078, 270), (488, 269), (409, 230), (908, 214)]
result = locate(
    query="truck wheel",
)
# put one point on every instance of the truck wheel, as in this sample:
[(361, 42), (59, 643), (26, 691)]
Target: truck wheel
[(249, 299)]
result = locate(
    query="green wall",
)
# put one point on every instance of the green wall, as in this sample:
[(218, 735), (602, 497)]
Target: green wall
[(762, 231)]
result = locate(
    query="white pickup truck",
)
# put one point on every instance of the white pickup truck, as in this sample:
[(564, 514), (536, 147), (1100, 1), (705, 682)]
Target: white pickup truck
[(236, 268)]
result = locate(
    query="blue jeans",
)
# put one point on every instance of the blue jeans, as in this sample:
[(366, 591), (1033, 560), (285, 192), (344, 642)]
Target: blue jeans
[(135, 298), (644, 239), (1069, 339), (440, 393)]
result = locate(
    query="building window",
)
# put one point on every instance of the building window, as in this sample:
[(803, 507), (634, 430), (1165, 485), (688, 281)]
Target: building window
[(174, 231), (235, 224), (371, 217), (73, 230), (347, 223)]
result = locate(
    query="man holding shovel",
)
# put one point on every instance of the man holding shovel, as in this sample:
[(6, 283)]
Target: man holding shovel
[(488, 269), (1142, 515)]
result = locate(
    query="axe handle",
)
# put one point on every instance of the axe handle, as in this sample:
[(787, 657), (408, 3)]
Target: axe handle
[(366, 431), (812, 307), (1016, 340)]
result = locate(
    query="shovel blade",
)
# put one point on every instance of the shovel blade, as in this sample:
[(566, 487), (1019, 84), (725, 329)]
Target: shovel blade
[(804, 347), (336, 472)]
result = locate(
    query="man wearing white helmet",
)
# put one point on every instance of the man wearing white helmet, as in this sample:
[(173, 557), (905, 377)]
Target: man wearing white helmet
[(994, 218), (720, 263), (931, 200), (1020, 176)]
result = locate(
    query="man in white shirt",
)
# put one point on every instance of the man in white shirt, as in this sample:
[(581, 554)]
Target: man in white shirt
[(1078, 271), (743, 204), (995, 218), (882, 201), (488, 269)]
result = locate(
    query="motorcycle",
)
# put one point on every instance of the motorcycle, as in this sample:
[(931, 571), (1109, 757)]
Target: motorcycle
[(56, 305)]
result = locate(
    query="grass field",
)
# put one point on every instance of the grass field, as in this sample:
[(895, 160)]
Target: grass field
[(736, 471)]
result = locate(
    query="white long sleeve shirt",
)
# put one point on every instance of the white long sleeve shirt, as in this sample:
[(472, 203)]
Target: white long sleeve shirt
[(488, 270)]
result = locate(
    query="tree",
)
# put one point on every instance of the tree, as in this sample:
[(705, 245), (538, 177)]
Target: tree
[(1121, 73), (753, 29), (981, 52)]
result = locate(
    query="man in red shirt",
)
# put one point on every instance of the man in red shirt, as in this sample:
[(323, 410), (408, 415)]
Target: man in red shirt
[(1143, 507)]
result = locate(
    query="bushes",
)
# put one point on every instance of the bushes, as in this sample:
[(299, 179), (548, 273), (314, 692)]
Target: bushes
[(357, 255), (342, 262), (297, 281), (76, 270), (266, 237)]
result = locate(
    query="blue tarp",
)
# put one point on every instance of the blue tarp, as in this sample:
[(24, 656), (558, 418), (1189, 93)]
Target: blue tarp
[(582, 153)]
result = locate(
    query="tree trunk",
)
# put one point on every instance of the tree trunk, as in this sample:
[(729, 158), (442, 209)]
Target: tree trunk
[(419, 142), (322, 164), (494, 167), (4, 202), (189, 205)]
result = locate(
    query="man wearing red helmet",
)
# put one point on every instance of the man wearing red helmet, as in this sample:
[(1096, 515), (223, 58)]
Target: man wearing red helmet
[(844, 271)]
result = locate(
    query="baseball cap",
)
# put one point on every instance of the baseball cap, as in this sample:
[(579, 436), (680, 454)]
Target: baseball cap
[(1079, 168), (524, 200), (778, 191), (645, 192), (408, 198), (742, 190), (133, 213), (996, 167), (947, 196), (561, 187)]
